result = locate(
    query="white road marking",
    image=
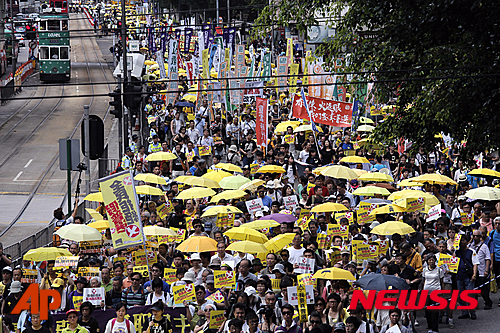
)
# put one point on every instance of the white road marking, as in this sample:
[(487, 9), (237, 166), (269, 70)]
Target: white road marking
[(34, 180), (18, 175), (27, 164)]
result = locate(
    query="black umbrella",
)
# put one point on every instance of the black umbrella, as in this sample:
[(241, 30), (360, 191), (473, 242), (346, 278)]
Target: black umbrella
[(381, 282)]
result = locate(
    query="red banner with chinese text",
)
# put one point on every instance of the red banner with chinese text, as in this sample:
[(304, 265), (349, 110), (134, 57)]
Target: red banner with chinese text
[(323, 111), (261, 121)]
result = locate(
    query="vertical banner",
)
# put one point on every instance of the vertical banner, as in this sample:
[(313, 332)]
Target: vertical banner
[(231, 39), (190, 72), (204, 61), (201, 42), (289, 50), (173, 71), (282, 72), (210, 97), (188, 33), (206, 35), (223, 81), (261, 122), (266, 73), (159, 60), (199, 98), (240, 62), (233, 86), (120, 200), (243, 77), (294, 71)]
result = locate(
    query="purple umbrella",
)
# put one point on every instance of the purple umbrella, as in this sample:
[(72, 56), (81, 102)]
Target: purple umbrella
[(281, 218)]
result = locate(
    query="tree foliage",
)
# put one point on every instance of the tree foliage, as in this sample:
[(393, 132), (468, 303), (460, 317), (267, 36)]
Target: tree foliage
[(439, 57)]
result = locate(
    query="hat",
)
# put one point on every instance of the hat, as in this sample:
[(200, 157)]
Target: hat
[(210, 279), (7, 268), (340, 326), (256, 261), (135, 136), (284, 177), (93, 260), (280, 268), (15, 287), (462, 178), (270, 184), (374, 224), (354, 183), (233, 148), (250, 291), (70, 312), (345, 251), (127, 149), (246, 166), (57, 283), (462, 198), (188, 276), (215, 262), (158, 306), (81, 279), (195, 256), (259, 214)]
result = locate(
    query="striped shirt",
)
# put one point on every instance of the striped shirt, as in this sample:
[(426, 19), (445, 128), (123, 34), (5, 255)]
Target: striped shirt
[(129, 298)]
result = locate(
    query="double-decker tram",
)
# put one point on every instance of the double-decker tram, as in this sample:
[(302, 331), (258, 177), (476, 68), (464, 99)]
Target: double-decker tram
[(54, 47)]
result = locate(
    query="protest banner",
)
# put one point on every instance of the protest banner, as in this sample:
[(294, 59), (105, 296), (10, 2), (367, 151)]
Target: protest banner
[(456, 241), (261, 120), (291, 202), (217, 318), (411, 204), (183, 293), (434, 213), (254, 167), (142, 269), (383, 246), (305, 265), (363, 213), (302, 303), (293, 298), (67, 261), (140, 258), (366, 252), (322, 239), (467, 219), (169, 274), (30, 276), (306, 279), (304, 212), (275, 284), (205, 150), (119, 196), (340, 230), (323, 111), (450, 262), (348, 215), (88, 272), (224, 279), (217, 297), (164, 209), (90, 247), (254, 205), (94, 295), (334, 255)]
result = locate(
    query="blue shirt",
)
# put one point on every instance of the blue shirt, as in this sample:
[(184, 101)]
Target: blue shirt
[(267, 201), (473, 180), (347, 146), (495, 235), (192, 169), (378, 166)]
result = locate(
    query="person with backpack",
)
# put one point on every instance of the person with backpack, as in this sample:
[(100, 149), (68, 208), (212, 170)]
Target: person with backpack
[(157, 294), (120, 324), (135, 294)]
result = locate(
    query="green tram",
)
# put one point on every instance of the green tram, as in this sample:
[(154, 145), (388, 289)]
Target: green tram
[(54, 47)]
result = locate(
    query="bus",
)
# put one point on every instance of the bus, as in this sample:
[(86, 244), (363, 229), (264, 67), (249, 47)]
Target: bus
[(56, 6), (54, 47)]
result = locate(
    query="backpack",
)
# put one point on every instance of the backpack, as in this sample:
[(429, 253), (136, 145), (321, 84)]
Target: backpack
[(127, 322)]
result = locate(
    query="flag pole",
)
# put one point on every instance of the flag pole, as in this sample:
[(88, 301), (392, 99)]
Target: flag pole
[(313, 126)]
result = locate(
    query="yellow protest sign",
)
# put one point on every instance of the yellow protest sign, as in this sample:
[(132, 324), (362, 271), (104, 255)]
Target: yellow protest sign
[(366, 252), (289, 138), (183, 293), (253, 168), (169, 274), (190, 155), (122, 259), (348, 215), (275, 284), (205, 150), (189, 222), (140, 258), (309, 187), (383, 246), (306, 279), (301, 296), (467, 219), (322, 240), (224, 279), (449, 261), (217, 297), (29, 276), (88, 272), (411, 204), (456, 241), (164, 210), (294, 70), (364, 211), (304, 213), (91, 247), (77, 302), (67, 261), (334, 256), (119, 196), (216, 319), (339, 230), (142, 269)]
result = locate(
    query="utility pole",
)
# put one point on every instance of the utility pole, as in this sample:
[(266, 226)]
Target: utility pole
[(228, 15), (86, 124), (120, 125), (125, 70), (14, 59)]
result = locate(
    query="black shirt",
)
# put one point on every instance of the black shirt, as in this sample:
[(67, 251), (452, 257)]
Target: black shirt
[(31, 330), (92, 325), (392, 158), (162, 326), (177, 165), (411, 274), (2, 261), (113, 298), (176, 221), (10, 303), (200, 172)]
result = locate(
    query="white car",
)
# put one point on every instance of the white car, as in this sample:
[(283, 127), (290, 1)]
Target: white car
[(20, 39)]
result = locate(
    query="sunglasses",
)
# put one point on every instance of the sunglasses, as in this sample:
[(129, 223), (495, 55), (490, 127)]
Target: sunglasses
[(287, 313), (135, 279), (315, 322)]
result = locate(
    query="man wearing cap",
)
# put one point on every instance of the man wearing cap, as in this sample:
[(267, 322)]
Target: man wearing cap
[(133, 144), (272, 193), (127, 159), (155, 146), (73, 327), (59, 286), (233, 157), (6, 279), (11, 300), (196, 268)]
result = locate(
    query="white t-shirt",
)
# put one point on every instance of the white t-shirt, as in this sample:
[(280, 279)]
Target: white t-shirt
[(303, 156), (119, 327), (152, 298), (432, 278), (295, 254)]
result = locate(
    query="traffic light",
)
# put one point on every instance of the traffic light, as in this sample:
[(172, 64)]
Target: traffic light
[(30, 32), (132, 97), (116, 103), (96, 137)]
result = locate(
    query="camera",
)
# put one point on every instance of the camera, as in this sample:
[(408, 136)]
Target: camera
[(81, 167)]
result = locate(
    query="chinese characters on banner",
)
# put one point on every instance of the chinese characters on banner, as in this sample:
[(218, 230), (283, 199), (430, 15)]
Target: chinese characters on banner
[(173, 73), (261, 122), (323, 111), (282, 73)]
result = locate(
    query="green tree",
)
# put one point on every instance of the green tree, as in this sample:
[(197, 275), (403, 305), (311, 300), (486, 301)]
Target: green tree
[(437, 59)]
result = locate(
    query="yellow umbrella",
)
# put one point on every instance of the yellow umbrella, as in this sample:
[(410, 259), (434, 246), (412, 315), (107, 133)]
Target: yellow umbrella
[(252, 186), (283, 126), (247, 247), (154, 66), (154, 230), (306, 128), (198, 244), (376, 177), (387, 209), (99, 225), (196, 192), (317, 171), (483, 172), (189, 98), (217, 175), (161, 156), (150, 178), (242, 233), (392, 227), (277, 243), (484, 193), (333, 273), (365, 120), (149, 62), (271, 169), (148, 190), (261, 224), (359, 172), (429, 198), (46, 253), (434, 178), (79, 233), (328, 207), (228, 167), (197, 181), (409, 183), (365, 128), (228, 195), (339, 171), (368, 191), (94, 197), (94, 214), (212, 211), (233, 182), (354, 159)]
